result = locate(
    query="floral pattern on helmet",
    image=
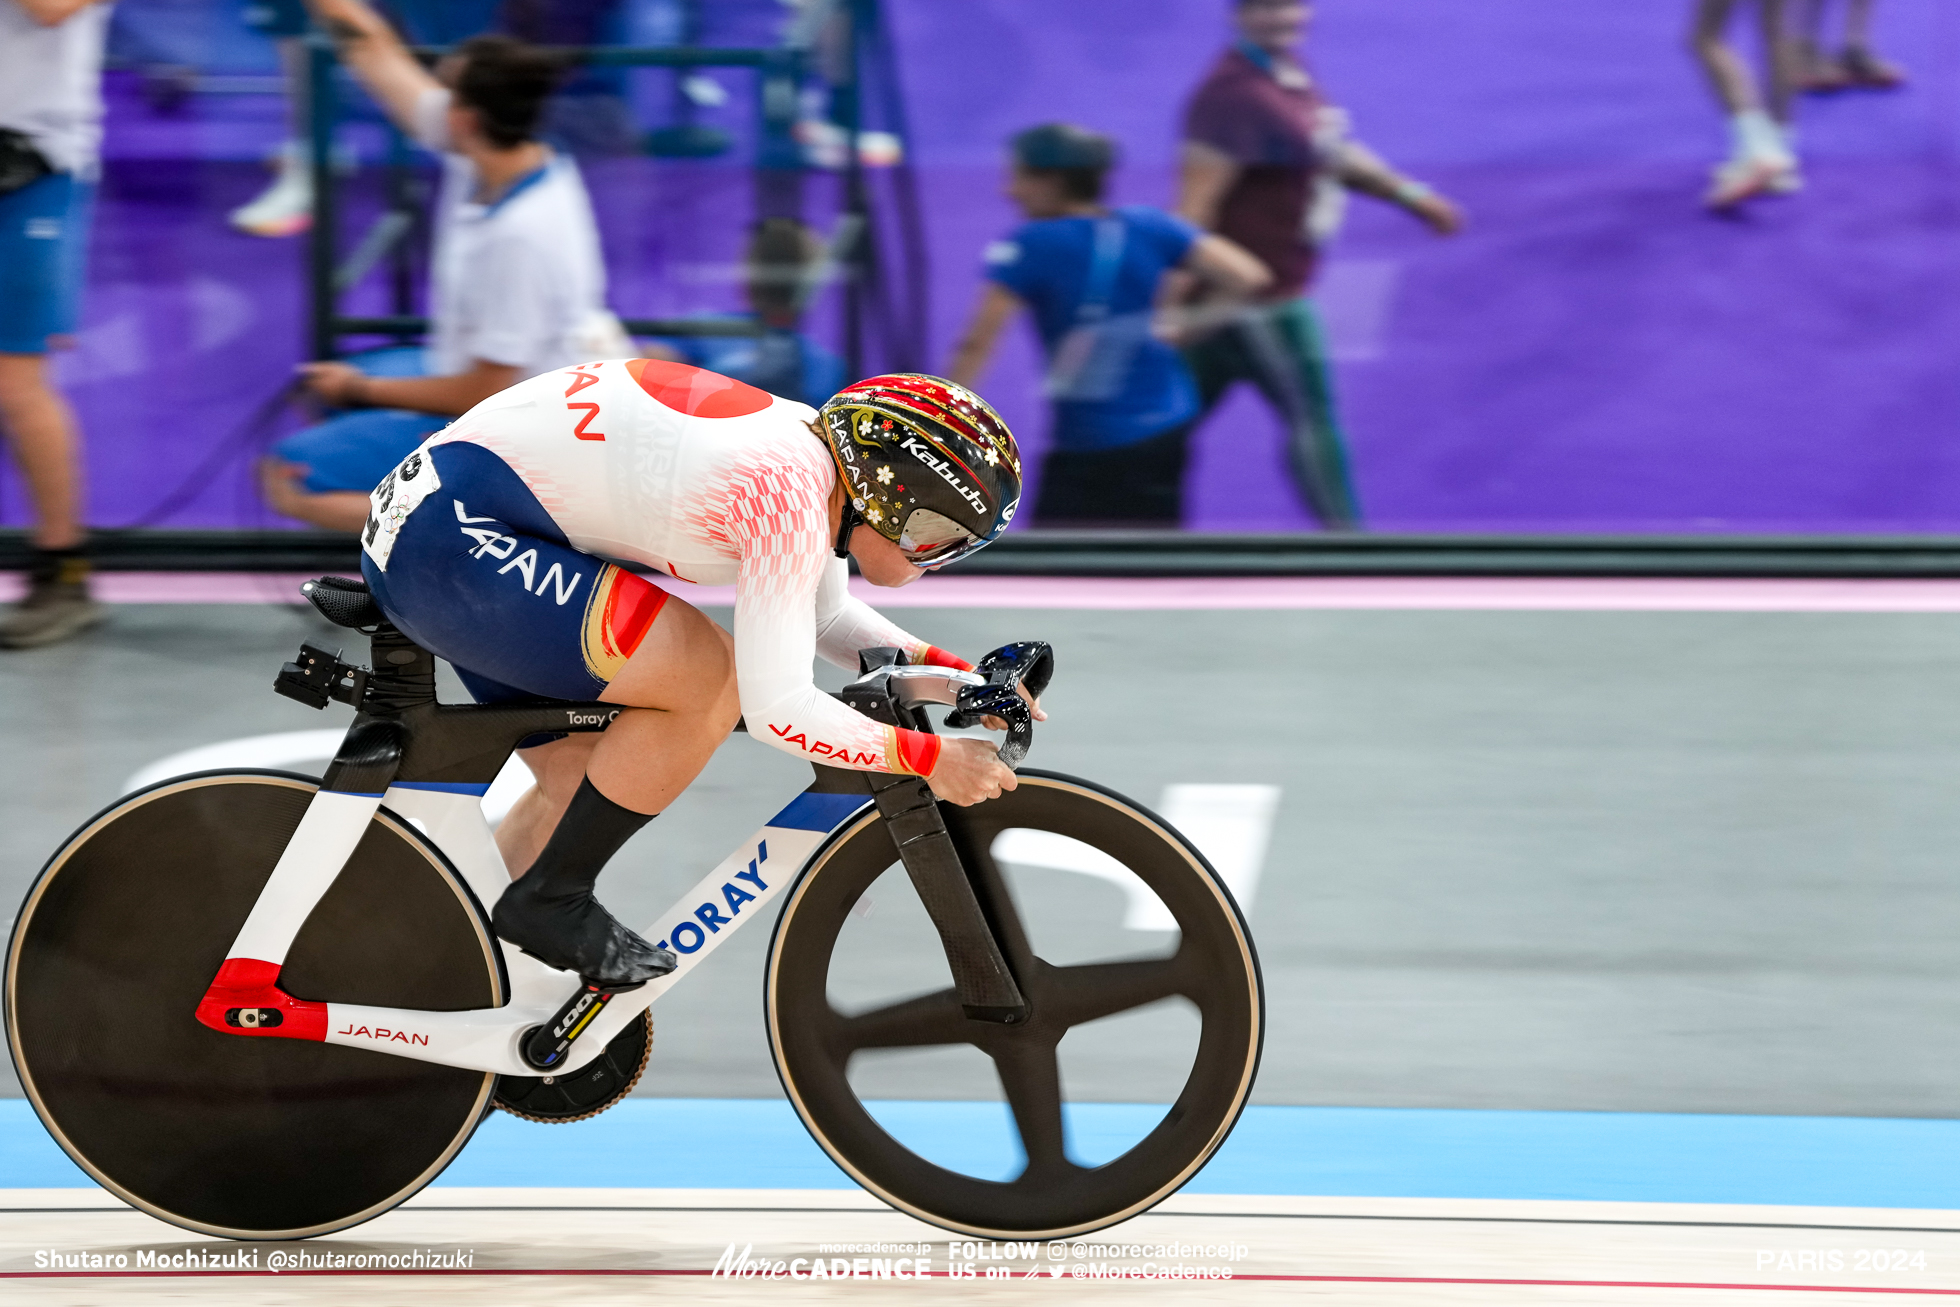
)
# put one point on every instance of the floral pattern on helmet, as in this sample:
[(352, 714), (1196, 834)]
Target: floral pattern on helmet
[(908, 441)]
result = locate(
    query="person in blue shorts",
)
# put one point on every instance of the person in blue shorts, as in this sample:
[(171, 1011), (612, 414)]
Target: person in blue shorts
[(1091, 275), (50, 142)]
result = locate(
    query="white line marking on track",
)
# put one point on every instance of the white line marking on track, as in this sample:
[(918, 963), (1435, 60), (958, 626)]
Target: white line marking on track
[(278, 750), (1232, 826)]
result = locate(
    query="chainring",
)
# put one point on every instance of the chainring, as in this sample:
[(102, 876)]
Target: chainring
[(586, 1092)]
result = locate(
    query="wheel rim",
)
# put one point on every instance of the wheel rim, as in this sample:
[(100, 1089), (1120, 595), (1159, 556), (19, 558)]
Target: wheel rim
[(1213, 966), (266, 1138)]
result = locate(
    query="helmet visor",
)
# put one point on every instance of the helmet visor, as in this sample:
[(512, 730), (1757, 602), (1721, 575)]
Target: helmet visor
[(930, 539)]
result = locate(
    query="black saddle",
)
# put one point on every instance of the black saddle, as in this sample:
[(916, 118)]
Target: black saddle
[(344, 602)]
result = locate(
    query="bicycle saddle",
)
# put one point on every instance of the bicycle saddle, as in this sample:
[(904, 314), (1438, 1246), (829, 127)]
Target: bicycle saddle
[(344, 601)]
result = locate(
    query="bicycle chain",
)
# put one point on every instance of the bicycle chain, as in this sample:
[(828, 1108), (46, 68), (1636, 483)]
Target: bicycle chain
[(603, 1060)]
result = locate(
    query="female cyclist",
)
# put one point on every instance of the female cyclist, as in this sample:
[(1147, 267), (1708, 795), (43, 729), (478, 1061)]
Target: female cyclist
[(488, 546)]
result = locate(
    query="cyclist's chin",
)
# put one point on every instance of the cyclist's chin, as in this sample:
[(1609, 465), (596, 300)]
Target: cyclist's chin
[(891, 575), (879, 560)]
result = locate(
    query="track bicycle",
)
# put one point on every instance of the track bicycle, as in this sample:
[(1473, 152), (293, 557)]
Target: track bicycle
[(264, 1006)]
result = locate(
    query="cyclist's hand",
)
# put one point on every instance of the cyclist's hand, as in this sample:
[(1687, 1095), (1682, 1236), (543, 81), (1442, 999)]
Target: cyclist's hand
[(969, 772), (996, 724)]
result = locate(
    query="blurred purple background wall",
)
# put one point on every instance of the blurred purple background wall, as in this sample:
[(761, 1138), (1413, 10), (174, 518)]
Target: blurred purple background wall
[(1594, 354)]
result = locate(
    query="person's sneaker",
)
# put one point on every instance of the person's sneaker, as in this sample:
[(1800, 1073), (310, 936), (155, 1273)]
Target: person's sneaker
[(1787, 181), (1864, 68), (55, 608), (1748, 176), (284, 208)]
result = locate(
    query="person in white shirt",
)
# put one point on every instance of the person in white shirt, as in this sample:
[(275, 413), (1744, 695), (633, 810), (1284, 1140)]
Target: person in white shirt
[(50, 144), (518, 284)]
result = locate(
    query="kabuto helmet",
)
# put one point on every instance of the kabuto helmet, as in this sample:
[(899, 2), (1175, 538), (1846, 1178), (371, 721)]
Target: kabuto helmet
[(929, 465)]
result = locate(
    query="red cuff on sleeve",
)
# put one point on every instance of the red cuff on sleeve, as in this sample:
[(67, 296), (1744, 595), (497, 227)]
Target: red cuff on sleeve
[(918, 753), (936, 657)]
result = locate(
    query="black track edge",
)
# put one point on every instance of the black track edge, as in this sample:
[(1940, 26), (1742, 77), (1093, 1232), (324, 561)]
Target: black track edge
[(1150, 553)]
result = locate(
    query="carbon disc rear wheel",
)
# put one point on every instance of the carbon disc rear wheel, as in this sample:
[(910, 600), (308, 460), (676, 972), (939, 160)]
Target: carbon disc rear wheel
[(250, 1138), (817, 1034)]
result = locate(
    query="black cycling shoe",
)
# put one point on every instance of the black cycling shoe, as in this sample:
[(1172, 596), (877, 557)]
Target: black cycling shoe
[(572, 932)]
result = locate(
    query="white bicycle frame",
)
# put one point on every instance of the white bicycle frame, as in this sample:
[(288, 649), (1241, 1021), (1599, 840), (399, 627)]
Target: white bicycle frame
[(451, 817)]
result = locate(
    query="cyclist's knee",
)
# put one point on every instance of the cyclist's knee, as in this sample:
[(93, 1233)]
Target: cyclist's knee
[(717, 684), (711, 668)]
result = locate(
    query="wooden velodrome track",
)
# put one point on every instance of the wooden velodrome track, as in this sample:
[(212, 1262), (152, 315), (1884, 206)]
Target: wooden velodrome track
[(1576, 848), (610, 1245)]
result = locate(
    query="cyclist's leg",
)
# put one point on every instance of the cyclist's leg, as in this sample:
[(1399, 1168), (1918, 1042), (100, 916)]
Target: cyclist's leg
[(681, 687), (479, 574), (681, 683)]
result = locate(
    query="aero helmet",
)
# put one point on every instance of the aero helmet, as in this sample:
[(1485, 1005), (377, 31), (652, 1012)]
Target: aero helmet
[(929, 464)]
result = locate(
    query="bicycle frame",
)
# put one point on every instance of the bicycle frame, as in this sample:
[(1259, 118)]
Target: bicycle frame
[(430, 764), (487, 1039)]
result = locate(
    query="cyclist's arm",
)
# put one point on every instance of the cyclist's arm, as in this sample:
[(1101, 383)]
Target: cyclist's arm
[(781, 524), (846, 625)]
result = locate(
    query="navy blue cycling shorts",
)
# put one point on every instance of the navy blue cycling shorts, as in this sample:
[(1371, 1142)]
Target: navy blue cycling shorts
[(480, 575)]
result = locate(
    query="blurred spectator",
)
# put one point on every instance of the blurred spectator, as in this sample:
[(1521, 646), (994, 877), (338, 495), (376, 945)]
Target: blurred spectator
[(285, 208), (1261, 146), (1124, 402), (519, 283), (1857, 64), (589, 114), (1762, 154), (593, 115), (781, 269), (50, 141)]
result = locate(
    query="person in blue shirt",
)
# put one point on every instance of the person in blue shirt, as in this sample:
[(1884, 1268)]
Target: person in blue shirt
[(1093, 277)]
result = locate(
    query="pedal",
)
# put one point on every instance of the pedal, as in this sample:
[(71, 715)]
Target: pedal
[(546, 1046)]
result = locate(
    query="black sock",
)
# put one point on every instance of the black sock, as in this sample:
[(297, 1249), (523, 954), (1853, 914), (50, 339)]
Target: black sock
[(591, 831), (48, 566)]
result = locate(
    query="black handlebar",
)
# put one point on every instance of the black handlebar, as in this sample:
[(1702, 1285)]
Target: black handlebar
[(1027, 662)]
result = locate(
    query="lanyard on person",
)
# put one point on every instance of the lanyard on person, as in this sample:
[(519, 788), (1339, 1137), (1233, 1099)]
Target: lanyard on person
[(1111, 236), (1259, 56), (1291, 76), (518, 187), (1092, 360)]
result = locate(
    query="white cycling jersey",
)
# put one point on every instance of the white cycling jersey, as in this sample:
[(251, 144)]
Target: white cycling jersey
[(712, 481)]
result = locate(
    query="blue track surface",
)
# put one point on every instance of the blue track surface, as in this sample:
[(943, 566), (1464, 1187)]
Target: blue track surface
[(1358, 1152)]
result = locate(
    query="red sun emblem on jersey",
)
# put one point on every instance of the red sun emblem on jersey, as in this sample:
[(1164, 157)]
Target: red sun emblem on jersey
[(697, 392)]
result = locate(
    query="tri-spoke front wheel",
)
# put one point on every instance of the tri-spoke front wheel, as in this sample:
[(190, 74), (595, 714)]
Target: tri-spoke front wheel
[(1183, 952)]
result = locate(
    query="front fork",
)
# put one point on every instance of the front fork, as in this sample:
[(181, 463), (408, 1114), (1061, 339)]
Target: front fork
[(982, 976)]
